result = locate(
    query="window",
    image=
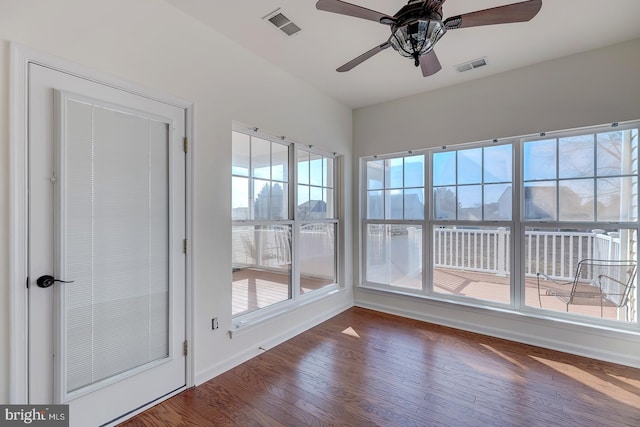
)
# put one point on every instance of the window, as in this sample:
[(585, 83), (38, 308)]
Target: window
[(472, 210), (473, 184), (317, 222), (580, 202), (586, 177), (572, 198), (393, 228), (260, 179), (283, 241)]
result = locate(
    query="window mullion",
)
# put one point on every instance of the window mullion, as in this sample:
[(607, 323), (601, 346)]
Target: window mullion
[(557, 218), (293, 213), (517, 251), (427, 243)]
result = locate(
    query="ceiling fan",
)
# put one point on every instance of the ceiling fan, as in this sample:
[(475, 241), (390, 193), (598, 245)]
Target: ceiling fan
[(417, 26)]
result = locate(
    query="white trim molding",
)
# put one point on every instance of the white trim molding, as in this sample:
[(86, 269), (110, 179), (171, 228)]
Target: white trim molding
[(18, 338), (21, 57), (216, 369), (605, 344)]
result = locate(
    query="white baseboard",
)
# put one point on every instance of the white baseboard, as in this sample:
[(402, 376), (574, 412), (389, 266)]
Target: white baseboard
[(141, 409), (603, 344), (241, 357), (607, 345)]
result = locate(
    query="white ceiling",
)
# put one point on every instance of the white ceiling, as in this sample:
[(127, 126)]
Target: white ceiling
[(328, 40)]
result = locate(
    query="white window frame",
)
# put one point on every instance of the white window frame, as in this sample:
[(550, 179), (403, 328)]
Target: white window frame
[(299, 222), (365, 222), (517, 226), (510, 265), (244, 321), (605, 226)]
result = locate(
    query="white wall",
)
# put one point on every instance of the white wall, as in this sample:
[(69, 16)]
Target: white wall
[(150, 43), (590, 88)]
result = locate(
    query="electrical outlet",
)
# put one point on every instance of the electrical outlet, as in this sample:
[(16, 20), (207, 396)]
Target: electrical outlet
[(214, 323)]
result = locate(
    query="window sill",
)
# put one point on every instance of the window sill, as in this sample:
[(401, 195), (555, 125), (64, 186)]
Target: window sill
[(250, 321)]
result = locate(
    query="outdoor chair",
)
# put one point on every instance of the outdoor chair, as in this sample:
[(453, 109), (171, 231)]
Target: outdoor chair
[(604, 283), (270, 246)]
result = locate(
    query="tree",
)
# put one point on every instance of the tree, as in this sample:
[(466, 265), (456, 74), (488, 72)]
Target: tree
[(269, 202), (445, 204)]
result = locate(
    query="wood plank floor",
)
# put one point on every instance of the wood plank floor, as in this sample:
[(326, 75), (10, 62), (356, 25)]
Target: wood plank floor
[(364, 368)]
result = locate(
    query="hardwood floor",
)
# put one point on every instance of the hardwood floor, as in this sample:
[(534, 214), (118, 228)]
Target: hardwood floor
[(364, 368)]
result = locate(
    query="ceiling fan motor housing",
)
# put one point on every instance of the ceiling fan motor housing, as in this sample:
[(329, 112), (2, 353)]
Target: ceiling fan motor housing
[(418, 26), (415, 30)]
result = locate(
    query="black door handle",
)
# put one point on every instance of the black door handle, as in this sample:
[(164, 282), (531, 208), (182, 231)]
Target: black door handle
[(46, 281)]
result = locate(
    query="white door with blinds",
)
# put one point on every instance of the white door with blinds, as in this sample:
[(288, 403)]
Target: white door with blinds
[(106, 259)]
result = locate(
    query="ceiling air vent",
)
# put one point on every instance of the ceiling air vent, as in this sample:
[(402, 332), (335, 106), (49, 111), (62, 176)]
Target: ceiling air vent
[(466, 66), (280, 21)]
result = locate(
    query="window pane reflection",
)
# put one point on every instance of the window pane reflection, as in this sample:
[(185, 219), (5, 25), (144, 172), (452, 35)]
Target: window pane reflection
[(317, 256), (375, 175), (576, 156), (279, 162), (394, 255), (540, 200), (576, 200), (444, 168), (414, 171), (239, 198), (617, 199), (303, 167), (497, 202), (261, 158), (616, 152), (470, 202), (393, 170), (445, 203), (498, 164), (375, 205), (261, 258), (414, 203), (470, 166), (240, 154), (540, 160)]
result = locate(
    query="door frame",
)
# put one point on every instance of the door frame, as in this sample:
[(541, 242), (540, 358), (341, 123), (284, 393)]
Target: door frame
[(21, 57)]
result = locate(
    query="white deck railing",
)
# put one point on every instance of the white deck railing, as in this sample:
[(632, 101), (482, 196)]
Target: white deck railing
[(271, 247), (485, 250), (554, 253)]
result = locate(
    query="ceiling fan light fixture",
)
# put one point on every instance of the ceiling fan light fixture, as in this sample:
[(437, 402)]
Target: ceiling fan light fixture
[(417, 27), (416, 38)]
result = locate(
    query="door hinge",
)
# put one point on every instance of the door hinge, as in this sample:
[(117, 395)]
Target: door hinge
[(185, 143), (185, 245), (185, 347)]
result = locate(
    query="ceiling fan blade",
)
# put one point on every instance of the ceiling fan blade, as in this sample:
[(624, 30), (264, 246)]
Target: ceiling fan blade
[(360, 59), (433, 4), (430, 64), (517, 12), (344, 8)]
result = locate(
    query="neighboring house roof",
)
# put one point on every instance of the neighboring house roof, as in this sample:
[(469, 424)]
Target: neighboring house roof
[(313, 206)]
